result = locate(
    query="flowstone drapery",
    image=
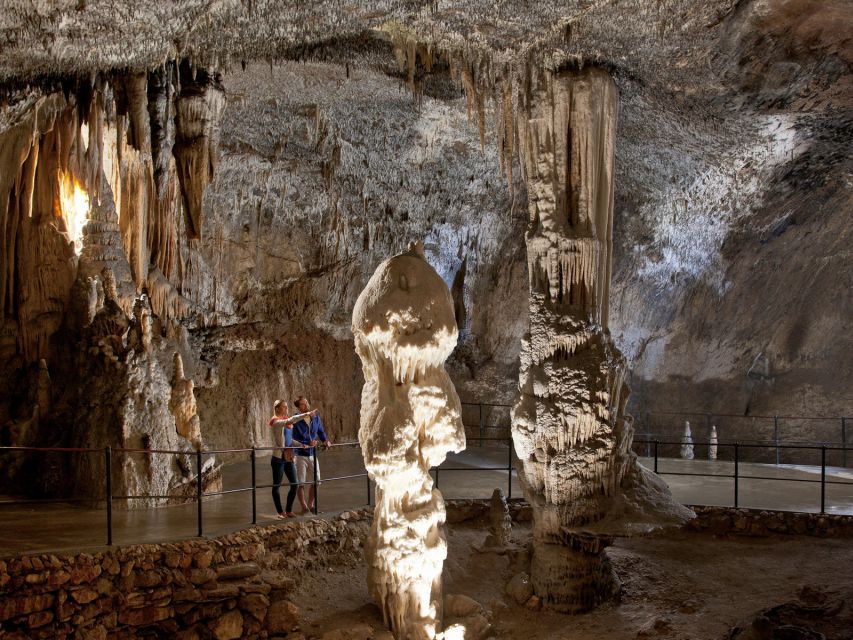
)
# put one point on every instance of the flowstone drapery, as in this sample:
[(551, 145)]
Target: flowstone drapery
[(570, 429), (404, 329)]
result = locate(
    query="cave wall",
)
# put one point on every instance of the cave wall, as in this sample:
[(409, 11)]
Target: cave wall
[(251, 206), (326, 171), (732, 279), (92, 271)]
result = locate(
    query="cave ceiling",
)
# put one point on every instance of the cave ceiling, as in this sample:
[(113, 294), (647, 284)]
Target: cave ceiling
[(732, 165), (703, 48)]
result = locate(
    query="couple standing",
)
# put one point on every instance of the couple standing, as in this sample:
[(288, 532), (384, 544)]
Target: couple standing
[(296, 438)]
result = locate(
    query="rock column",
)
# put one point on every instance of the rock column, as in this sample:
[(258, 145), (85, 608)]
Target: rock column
[(404, 329), (569, 426)]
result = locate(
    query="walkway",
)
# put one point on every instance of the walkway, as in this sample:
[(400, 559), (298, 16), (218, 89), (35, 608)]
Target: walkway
[(40, 528), (34, 528)]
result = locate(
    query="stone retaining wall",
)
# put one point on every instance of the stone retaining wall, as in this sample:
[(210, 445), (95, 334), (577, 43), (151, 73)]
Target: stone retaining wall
[(236, 586), (725, 520)]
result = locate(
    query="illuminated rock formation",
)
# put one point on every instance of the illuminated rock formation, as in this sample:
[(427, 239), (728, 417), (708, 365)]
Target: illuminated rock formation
[(712, 444), (687, 443), (182, 405), (570, 429), (404, 329)]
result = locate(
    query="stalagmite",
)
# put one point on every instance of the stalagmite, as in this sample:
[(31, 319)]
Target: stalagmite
[(404, 329), (687, 443), (183, 406), (570, 429), (712, 446), (500, 522), (140, 334)]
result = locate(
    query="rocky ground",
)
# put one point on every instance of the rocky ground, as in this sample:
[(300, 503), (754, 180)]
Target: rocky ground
[(682, 585)]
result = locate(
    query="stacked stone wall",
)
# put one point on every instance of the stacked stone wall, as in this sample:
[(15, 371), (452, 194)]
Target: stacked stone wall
[(754, 522), (235, 586)]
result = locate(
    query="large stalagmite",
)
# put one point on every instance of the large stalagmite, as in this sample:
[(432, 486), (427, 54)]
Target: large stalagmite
[(570, 429), (404, 329)]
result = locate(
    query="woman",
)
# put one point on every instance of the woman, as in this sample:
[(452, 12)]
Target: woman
[(282, 465)]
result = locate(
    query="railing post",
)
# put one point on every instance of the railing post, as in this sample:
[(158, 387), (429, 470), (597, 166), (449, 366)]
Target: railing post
[(482, 428), (776, 436), (254, 489), (843, 441), (108, 463), (823, 479), (199, 488), (316, 484), (656, 455), (436, 477), (737, 460), (708, 421), (509, 471), (648, 434)]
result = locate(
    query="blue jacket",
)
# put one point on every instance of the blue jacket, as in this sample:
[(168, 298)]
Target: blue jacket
[(305, 433)]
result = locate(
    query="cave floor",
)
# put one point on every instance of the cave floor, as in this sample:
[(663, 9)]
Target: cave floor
[(38, 528), (681, 585)]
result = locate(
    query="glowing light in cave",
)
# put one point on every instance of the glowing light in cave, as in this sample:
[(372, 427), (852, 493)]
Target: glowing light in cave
[(74, 202), (84, 135)]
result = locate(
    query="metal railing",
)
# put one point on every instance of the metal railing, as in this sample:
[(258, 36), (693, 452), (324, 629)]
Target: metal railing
[(200, 494), (482, 418), (507, 468), (737, 476), (667, 424)]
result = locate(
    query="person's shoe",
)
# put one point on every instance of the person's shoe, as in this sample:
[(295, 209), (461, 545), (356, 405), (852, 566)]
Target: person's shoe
[(289, 514), (281, 516)]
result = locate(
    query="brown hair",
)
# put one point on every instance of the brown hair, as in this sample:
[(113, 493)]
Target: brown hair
[(298, 400)]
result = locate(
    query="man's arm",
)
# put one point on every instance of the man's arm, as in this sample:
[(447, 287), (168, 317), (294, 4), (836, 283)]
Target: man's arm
[(321, 433)]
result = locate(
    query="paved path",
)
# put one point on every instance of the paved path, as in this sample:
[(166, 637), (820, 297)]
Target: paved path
[(792, 487), (39, 528)]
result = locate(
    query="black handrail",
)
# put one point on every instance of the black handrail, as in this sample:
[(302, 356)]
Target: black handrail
[(737, 476), (200, 494)]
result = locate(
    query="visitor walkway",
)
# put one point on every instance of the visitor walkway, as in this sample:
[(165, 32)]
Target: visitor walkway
[(32, 527)]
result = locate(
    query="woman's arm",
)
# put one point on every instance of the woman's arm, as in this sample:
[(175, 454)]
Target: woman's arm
[(284, 422)]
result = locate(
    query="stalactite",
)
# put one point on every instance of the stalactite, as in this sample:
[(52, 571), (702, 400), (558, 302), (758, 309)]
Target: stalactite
[(41, 156), (161, 124), (199, 107)]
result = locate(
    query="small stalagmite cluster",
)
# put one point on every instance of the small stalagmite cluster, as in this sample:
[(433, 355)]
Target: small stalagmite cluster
[(570, 428), (404, 330)]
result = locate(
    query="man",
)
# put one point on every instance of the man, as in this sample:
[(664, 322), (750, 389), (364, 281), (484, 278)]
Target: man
[(309, 432)]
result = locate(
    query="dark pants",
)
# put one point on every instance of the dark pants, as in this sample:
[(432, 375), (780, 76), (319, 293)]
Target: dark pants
[(282, 468)]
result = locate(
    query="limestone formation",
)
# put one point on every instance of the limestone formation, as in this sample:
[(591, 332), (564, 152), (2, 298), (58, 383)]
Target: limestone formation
[(687, 442), (712, 444), (500, 522), (198, 109), (43, 395), (570, 428), (182, 404), (404, 329), (140, 336)]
